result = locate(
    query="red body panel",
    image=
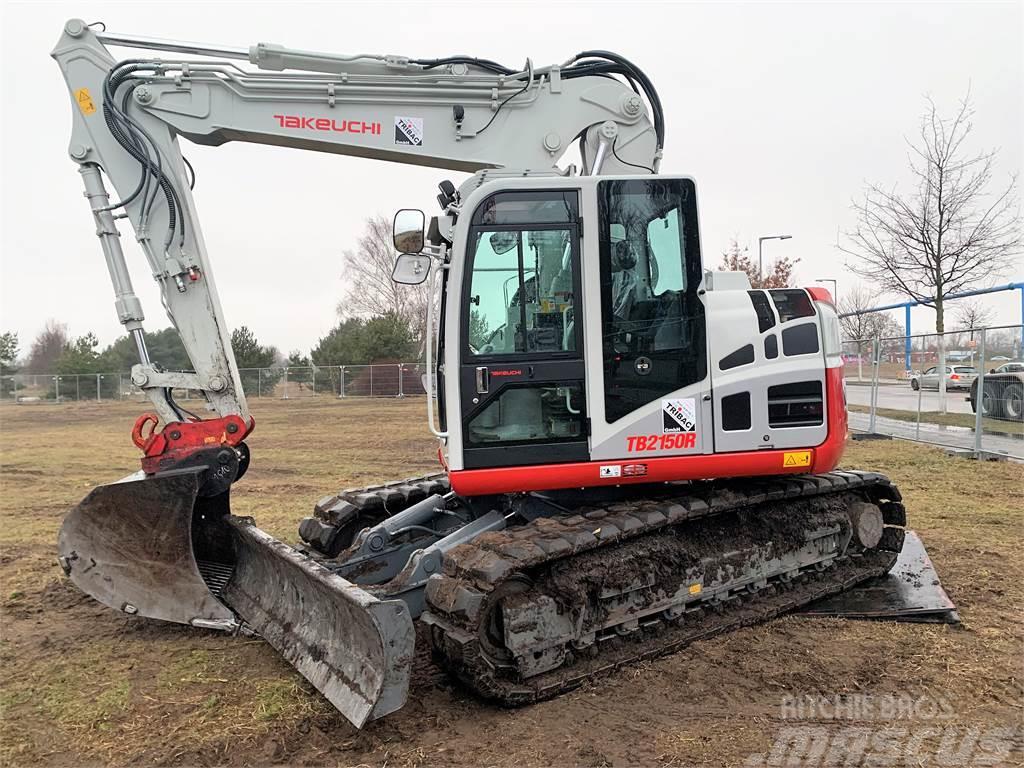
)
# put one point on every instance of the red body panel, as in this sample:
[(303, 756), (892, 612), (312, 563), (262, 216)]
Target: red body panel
[(828, 454), (818, 293), (587, 474)]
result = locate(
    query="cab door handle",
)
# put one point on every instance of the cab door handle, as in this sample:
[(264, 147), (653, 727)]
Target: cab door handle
[(483, 380)]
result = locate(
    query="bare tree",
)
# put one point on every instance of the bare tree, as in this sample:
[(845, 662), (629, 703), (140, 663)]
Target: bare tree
[(864, 324), (47, 348), (371, 291), (949, 232), (779, 274), (859, 326), (972, 314)]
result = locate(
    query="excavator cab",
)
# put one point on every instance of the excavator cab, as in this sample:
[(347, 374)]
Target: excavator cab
[(574, 340)]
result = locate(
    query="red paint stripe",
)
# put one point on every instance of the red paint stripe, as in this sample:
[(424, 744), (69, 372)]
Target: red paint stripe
[(549, 477)]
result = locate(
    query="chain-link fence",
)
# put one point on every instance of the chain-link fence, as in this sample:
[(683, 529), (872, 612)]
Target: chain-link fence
[(380, 380), (893, 387), (926, 387)]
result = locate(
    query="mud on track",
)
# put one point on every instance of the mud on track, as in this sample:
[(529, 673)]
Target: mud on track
[(82, 684)]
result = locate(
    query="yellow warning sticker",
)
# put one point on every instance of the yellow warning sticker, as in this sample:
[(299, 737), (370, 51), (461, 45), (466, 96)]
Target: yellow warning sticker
[(695, 589), (84, 99), (796, 459)]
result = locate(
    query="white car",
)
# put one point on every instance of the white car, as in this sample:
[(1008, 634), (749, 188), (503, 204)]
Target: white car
[(957, 377), (1011, 367)]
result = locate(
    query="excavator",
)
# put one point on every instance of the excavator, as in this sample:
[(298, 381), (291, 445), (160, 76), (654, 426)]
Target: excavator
[(636, 452)]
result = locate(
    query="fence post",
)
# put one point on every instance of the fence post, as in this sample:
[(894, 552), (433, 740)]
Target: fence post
[(341, 373), (371, 380), (979, 397), (98, 398), (259, 382), (874, 383), (401, 393), (917, 430), (285, 384), (314, 379)]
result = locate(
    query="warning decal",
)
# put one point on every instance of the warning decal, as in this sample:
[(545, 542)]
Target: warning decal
[(679, 415), (796, 459), (409, 131), (84, 100), (611, 470)]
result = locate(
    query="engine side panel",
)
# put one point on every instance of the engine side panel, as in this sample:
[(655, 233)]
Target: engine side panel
[(768, 380)]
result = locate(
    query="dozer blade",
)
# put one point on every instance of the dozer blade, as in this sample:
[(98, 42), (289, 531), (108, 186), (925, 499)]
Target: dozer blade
[(355, 649), (154, 546)]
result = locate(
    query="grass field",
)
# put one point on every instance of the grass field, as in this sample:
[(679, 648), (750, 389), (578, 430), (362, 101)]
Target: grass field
[(82, 684)]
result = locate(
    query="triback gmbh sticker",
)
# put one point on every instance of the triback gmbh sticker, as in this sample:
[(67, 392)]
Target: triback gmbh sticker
[(679, 415), (409, 131)]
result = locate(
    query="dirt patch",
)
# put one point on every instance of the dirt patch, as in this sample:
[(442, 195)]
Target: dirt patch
[(83, 684)]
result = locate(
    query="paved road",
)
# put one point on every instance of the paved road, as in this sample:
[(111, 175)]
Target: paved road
[(902, 397)]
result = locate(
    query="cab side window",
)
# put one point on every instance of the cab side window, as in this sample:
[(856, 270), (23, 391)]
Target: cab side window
[(522, 290)]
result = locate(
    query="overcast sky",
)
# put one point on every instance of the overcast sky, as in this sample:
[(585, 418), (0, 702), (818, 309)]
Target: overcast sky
[(781, 111)]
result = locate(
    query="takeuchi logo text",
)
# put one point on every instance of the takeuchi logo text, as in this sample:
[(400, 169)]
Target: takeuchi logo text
[(328, 124)]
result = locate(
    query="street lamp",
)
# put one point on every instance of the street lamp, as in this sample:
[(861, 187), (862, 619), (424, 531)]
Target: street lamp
[(760, 262), (835, 287)]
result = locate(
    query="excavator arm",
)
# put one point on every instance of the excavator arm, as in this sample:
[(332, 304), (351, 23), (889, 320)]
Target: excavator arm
[(460, 114)]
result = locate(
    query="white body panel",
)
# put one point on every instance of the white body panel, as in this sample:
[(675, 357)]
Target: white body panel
[(733, 327)]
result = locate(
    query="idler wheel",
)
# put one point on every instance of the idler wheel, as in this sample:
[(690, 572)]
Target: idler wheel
[(867, 524)]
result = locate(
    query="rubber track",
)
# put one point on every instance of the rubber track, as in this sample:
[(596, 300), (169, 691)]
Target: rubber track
[(381, 501), (457, 600)]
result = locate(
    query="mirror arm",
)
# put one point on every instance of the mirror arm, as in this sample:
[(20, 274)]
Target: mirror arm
[(428, 354)]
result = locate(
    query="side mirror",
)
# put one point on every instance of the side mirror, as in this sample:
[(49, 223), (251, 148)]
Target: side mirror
[(407, 231), (411, 269)]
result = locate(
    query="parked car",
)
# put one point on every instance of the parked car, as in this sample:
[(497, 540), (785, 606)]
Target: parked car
[(1003, 395), (1014, 366), (957, 377)]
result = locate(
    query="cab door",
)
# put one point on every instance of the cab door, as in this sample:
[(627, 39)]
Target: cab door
[(650, 387), (521, 373)]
